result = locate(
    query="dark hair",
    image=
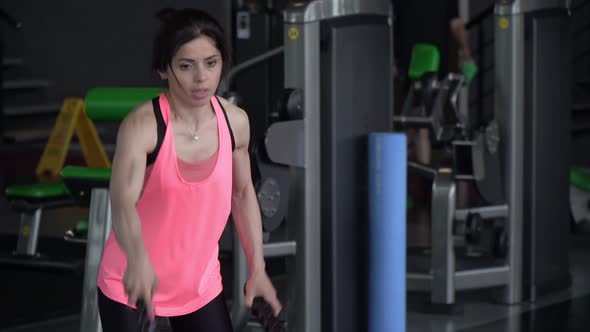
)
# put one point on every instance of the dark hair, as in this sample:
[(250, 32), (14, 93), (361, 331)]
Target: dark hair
[(180, 26)]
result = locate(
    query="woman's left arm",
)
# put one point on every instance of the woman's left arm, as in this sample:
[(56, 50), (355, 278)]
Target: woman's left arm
[(246, 212)]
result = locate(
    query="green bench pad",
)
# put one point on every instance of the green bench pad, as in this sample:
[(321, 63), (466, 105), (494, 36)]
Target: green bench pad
[(113, 104), (86, 173), (37, 191), (425, 59)]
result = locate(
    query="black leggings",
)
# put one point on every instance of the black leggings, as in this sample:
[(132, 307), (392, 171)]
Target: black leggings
[(117, 317)]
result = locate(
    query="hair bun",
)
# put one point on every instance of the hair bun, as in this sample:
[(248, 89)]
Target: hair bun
[(166, 14)]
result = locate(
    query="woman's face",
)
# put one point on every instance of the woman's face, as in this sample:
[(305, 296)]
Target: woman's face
[(195, 71)]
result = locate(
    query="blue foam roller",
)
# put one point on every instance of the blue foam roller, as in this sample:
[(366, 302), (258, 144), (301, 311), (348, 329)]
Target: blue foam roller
[(387, 232)]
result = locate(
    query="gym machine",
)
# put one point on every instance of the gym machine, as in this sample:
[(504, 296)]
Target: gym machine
[(332, 51), (338, 88), (519, 162), (532, 108)]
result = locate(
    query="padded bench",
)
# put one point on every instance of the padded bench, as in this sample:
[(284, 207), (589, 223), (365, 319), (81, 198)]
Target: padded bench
[(30, 201)]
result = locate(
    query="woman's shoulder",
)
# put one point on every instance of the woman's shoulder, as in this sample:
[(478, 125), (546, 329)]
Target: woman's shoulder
[(234, 113), (238, 120), (140, 123), (143, 114)]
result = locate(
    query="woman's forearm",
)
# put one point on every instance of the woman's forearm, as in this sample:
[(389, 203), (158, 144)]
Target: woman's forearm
[(127, 230), (246, 215)]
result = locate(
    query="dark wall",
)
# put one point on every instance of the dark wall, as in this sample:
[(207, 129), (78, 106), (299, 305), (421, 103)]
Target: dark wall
[(80, 44)]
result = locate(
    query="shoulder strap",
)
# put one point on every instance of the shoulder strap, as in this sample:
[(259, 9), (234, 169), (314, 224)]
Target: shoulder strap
[(161, 130), (231, 133)]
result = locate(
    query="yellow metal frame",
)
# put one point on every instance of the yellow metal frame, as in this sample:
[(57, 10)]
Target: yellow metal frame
[(72, 117)]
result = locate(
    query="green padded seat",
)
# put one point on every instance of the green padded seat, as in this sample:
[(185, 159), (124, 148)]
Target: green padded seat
[(30, 201), (37, 191), (425, 59), (37, 195)]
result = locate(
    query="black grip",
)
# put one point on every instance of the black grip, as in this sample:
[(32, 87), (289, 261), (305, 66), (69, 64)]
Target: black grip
[(144, 322), (264, 313)]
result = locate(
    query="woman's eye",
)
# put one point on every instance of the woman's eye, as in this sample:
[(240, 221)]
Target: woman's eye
[(211, 63), (185, 66)]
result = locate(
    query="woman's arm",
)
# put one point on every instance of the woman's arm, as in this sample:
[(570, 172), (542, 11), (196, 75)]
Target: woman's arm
[(246, 212), (135, 138)]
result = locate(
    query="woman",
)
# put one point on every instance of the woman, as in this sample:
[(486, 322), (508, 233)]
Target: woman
[(181, 165)]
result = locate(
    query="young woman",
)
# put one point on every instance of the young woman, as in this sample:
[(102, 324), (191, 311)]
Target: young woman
[(181, 166)]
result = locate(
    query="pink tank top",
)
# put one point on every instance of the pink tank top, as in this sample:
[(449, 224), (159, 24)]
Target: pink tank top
[(181, 222)]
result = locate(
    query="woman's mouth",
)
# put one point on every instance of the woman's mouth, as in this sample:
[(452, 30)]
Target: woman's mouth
[(200, 93)]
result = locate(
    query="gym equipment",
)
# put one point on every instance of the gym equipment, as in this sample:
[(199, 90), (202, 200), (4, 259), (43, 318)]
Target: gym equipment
[(524, 208), (264, 313), (258, 33), (159, 324), (529, 104), (145, 324), (113, 104), (72, 116), (333, 51), (387, 232), (30, 201), (425, 60), (428, 100)]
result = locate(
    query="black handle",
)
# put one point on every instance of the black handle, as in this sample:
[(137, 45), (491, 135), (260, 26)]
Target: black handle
[(264, 312), (144, 322)]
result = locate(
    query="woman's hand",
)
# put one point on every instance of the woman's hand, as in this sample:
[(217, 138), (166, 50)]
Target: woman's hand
[(141, 282), (259, 285)]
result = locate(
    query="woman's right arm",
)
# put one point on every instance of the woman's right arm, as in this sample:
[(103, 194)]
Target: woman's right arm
[(135, 139)]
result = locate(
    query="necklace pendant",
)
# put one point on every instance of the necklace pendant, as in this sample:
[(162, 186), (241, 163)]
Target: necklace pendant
[(195, 137)]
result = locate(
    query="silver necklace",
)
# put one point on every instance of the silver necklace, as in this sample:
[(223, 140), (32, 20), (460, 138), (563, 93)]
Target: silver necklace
[(193, 134)]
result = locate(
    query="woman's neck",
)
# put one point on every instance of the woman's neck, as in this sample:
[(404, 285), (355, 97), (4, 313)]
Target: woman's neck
[(188, 112)]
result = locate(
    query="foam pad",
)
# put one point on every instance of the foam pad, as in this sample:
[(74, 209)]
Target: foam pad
[(387, 232), (113, 104)]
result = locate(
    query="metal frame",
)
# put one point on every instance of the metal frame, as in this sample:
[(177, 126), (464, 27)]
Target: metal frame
[(28, 234), (99, 226), (510, 74), (304, 53), (444, 279)]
